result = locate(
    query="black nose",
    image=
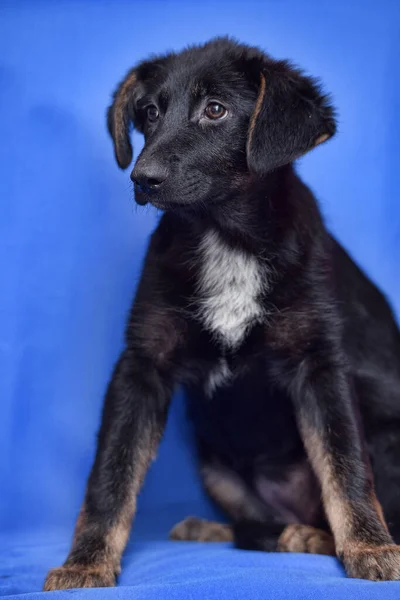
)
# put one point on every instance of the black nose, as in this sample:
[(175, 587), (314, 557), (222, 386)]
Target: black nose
[(149, 176)]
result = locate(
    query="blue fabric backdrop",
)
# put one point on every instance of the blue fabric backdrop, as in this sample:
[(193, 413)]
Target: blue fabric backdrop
[(71, 245)]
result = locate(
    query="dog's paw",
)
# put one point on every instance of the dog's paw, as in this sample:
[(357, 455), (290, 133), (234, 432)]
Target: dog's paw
[(65, 578), (302, 538), (193, 529), (377, 563)]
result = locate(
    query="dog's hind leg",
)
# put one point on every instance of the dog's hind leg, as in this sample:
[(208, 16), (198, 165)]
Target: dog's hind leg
[(254, 525), (256, 535), (193, 529), (230, 492), (275, 537)]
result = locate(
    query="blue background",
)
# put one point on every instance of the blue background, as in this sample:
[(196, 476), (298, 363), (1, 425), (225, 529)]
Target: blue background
[(72, 241)]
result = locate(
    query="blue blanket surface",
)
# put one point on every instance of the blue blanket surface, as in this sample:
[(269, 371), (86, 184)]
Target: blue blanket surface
[(71, 246)]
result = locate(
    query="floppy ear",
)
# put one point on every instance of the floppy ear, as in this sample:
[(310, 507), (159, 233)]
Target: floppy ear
[(120, 115), (291, 116), (122, 112)]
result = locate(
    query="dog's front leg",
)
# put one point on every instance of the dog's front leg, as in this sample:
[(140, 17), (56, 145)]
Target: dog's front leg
[(333, 439), (133, 420)]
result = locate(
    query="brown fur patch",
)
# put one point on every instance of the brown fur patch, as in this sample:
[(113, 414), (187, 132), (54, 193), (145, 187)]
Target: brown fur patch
[(115, 539), (339, 510), (322, 138), (377, 563), (379, 511), (231, 493), (118, 534), (336, 505), (256, 111), (302, 538), (193, 529), (65, 578), (80, 522)]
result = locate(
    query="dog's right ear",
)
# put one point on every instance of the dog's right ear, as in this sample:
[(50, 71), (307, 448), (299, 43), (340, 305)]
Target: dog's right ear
[(120, 115)]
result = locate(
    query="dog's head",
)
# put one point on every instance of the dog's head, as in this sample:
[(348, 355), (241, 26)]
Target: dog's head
[(214, 116)]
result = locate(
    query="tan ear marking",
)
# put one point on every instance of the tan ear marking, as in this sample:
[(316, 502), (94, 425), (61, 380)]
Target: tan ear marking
[(119, 110), (322, 138), (379, 510), (256, 111)]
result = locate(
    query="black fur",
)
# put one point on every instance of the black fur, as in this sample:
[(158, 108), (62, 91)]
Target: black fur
[(319, 370)]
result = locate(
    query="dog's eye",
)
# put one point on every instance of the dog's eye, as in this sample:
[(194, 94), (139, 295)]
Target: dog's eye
[(214, 110), (152, 113)]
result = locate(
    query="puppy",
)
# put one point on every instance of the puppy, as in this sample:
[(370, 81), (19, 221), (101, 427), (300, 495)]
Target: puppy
[(289, 354)]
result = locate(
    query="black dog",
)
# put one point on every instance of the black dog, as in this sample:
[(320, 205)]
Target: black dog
[(290, 355)]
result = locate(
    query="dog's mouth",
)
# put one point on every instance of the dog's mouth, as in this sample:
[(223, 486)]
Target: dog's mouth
[(166, 205), (163, 201), (160, 203), (189, 194)]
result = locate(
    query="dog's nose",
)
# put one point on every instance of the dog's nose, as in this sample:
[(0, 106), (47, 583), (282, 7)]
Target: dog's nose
[(149, 176)]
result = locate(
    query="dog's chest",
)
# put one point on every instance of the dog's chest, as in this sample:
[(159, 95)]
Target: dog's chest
[(230, 283)]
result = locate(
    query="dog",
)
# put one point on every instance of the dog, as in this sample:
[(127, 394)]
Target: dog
[(290, 356)]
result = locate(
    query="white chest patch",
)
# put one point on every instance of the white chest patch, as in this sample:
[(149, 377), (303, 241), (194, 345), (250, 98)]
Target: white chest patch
[(229, 287)]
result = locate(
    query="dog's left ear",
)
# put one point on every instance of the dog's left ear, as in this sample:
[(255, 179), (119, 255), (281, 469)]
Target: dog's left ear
[(291, 116)]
